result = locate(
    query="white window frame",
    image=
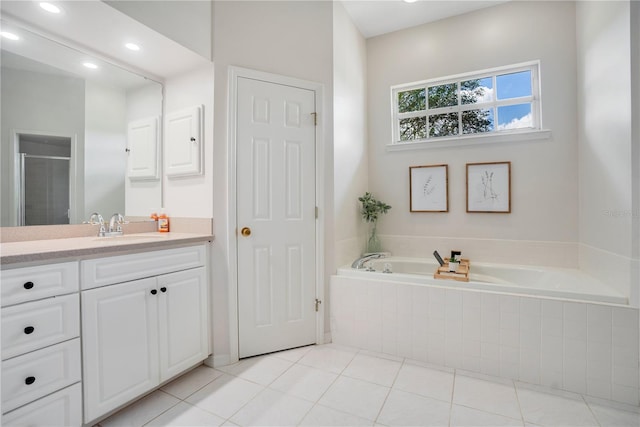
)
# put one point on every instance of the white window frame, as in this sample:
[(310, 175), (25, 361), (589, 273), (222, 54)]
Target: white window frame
[(496, 135)]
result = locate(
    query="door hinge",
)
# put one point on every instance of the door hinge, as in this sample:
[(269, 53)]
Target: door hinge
[(315, 119), (318, 302), (317, 210)]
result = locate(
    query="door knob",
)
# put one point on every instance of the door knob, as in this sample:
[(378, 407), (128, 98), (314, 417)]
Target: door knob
[(246, 231)]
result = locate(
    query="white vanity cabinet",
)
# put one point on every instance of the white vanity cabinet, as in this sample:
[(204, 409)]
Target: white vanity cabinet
[(138, 333), (41, 345)]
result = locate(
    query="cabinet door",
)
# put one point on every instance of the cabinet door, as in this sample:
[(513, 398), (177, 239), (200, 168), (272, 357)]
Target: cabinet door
[(120, 344), (183, 321), (142, 141), (184, 142)]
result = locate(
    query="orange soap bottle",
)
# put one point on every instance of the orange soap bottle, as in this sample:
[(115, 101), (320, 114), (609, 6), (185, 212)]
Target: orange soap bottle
[(163, 223)]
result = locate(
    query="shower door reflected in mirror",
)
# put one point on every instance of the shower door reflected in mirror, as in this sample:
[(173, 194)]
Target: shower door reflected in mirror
[(44, 181)]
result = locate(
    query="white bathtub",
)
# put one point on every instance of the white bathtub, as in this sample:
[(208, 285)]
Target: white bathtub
[(516, 279)]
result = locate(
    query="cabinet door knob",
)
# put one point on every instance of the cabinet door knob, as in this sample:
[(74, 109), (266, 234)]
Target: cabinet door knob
[(163, 289), (154, 291), (30, 380), (28, 285), (29, 330)]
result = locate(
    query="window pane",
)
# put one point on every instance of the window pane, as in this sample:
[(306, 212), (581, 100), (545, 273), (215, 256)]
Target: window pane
[(476, 90), (514, 85), (443, 125), (411, 100), (515, 117), (477, 121), (443, 95), (413, 128)]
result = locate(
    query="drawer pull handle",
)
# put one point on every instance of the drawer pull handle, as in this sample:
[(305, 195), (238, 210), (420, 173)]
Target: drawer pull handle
[(154, 291), (29, 330), (163, 289), (28, 285), (30, 380)]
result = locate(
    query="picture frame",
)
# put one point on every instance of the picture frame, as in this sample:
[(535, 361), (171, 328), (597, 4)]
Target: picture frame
[(489, 187), (429, 188)]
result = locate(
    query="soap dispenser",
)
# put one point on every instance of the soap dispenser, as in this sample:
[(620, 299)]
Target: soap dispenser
[(163, 222)]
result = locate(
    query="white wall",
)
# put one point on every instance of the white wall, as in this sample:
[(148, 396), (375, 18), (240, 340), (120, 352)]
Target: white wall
[(544, 173), (350, 157), (144, 197), (605, 146), (187, 22), (350, 134), (33, 101), (288, 38), (105, 157), (192, 197)]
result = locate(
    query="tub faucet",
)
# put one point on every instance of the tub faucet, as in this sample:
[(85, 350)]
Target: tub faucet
[(359, 263)]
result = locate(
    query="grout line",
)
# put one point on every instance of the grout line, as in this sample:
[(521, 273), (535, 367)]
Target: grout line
[(384, 402), (590, 410), (518, 400), (453, 389), (166, 410)]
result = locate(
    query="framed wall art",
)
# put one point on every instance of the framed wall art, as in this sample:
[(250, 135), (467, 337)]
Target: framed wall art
[(429, 188), (489, 187)]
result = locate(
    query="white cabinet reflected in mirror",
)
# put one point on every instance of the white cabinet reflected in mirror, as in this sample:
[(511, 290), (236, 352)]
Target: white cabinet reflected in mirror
[(65, 147)]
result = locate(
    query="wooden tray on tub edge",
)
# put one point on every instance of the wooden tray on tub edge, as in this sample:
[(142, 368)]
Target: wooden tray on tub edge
[(462, 275)]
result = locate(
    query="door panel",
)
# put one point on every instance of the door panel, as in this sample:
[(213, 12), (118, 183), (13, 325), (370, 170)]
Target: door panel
[(276, 199)]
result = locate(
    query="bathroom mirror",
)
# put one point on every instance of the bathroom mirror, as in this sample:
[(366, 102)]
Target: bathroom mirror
[(64, 143)]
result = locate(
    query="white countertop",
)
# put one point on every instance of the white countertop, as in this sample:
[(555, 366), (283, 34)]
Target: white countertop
[(52, 249)]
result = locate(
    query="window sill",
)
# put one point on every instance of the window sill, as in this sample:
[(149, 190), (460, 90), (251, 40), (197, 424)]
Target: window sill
[(460, 141)]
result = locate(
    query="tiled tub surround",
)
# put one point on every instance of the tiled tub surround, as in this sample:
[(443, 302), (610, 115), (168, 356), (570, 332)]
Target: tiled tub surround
[(584, 347)]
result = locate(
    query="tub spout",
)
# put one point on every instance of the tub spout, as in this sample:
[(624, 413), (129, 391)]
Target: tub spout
[(359, 263)]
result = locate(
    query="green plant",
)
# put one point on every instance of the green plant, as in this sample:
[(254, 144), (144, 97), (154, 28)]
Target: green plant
[(372, 208)]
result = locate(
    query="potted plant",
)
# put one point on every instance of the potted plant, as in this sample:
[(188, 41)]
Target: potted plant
[(371, 210)]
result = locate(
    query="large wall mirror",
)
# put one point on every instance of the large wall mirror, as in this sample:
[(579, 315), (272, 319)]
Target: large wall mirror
[(68, 126)]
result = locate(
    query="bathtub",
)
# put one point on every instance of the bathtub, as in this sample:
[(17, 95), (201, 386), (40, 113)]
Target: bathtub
[(554, 327), (516, 279)]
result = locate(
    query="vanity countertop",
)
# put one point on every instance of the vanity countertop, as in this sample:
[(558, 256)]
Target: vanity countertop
[(53, 249)]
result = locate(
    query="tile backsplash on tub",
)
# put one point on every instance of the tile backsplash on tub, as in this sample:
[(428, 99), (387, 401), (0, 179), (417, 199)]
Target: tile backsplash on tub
[(525, 252), (587, 348)]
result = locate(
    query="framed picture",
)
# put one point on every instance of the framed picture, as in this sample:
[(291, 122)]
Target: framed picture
[(489, 187), (429, 188)]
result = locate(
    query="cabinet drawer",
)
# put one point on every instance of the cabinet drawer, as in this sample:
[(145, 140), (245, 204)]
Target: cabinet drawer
[(36, 374), (32, 283), (62, 408), (123, 268), (34, 325)]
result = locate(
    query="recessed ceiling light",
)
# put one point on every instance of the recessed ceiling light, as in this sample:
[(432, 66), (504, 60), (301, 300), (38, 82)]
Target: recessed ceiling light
[(132, 46), (50, 7), (410, 1), (8, 35), (90, 65)]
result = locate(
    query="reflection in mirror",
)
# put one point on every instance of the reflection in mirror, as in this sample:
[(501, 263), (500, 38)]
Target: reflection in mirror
[(64, 147)]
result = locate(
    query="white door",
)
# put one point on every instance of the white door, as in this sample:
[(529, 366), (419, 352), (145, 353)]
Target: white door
[(275, 185), (119, 343), (182, 320)]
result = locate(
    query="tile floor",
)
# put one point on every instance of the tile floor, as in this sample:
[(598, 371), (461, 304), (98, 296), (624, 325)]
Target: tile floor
[(331, 385)]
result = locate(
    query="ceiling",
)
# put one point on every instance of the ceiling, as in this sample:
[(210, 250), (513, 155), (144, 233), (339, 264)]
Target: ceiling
[(376, 17)]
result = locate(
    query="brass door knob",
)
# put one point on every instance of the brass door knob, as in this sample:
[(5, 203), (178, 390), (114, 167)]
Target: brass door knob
[(246, 231)]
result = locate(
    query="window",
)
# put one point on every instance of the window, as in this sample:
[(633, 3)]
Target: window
[(502, 100)]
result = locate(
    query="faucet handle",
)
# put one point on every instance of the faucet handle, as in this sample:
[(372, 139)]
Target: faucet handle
[(96, 216)]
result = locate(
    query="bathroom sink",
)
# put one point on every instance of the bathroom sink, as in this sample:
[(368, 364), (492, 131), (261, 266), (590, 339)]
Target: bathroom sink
[(130, 238)]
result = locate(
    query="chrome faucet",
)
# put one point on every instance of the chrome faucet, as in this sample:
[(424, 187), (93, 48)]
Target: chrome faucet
[(96, 219), (359, 263), (115, 224)]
